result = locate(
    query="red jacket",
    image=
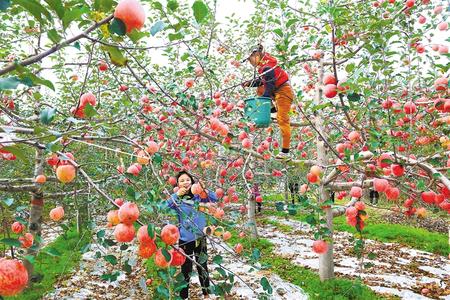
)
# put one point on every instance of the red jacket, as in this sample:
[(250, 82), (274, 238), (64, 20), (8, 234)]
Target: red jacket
[(274, 78)]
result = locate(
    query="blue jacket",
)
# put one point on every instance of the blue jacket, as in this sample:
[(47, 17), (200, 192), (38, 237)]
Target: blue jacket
[(191, 221)]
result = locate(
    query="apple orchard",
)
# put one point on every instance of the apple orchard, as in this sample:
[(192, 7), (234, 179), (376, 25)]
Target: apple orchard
[(92, 125)]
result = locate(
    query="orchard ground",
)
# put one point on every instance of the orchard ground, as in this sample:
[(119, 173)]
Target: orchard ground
[(94, 127)]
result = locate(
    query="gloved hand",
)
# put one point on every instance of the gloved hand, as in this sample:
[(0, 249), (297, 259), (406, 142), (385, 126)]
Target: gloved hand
[(246, 84)]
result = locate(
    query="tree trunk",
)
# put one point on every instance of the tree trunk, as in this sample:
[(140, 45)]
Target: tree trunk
[(35, 219), (286, 189), (326, 263), (251, 217)]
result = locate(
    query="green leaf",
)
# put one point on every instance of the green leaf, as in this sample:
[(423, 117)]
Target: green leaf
[(103, 5), (111, 259), (218, 259), (57, 6), (126, 267), (151, 230), (47, 115), (34, 8), (278, 32), (74, 14), (353, 97), (311, 220), (437, 175), (321, 106), (30, 258), (135, 35), (118, 27), (157, 27), (101, 234), (157, 5), (115, 55), (266, 285), (111, 277), (175, 36), (172, 5), (202, 258), (77, 45), (16, 151), (8, 201), (28, 78), (290, 22), (9, 83), (4, 4), (52, 252), (256, 254), (157, 158), (221, 272), (350, 67), (200, 10), (54, 36), (163, 292), (39, 81), (166, 255), (11, 242), (89, 110), (133, 194)]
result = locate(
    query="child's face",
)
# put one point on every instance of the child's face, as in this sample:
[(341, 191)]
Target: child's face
[(184, 181), (254, 59)]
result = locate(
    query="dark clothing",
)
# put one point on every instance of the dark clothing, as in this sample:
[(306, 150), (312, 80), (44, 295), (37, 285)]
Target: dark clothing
[(273, 76), (374, 195), (293, 188), (259, 206), (195, 250)]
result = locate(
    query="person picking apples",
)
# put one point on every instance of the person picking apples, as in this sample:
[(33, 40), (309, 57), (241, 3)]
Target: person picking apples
[(191, 225), (275, 82)]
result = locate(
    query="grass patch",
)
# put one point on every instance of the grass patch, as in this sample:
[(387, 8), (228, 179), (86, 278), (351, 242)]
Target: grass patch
[(52, 267), (278, 225), (417, 238), (308, 280)]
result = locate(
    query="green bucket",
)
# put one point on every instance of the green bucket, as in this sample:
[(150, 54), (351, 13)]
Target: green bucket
[(257, 109)]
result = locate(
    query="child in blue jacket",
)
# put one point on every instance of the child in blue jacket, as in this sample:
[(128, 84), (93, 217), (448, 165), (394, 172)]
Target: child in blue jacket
[(191, 225)]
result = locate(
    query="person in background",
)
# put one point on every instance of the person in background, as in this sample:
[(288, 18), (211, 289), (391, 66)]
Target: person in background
[(276, 86), (294, 189), (374, 195), (256, 195), (191, 225)]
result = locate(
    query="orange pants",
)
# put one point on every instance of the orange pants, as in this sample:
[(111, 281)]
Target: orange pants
[(283, 99)]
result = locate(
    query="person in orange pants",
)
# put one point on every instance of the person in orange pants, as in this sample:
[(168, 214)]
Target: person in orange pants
[(275, 82)]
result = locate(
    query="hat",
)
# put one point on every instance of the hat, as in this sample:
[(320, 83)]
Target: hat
[(257, 48)]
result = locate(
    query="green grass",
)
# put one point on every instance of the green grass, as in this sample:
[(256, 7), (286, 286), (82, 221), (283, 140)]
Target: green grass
[(308, 280), (52, 267), (417, 238), (278, 225)]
